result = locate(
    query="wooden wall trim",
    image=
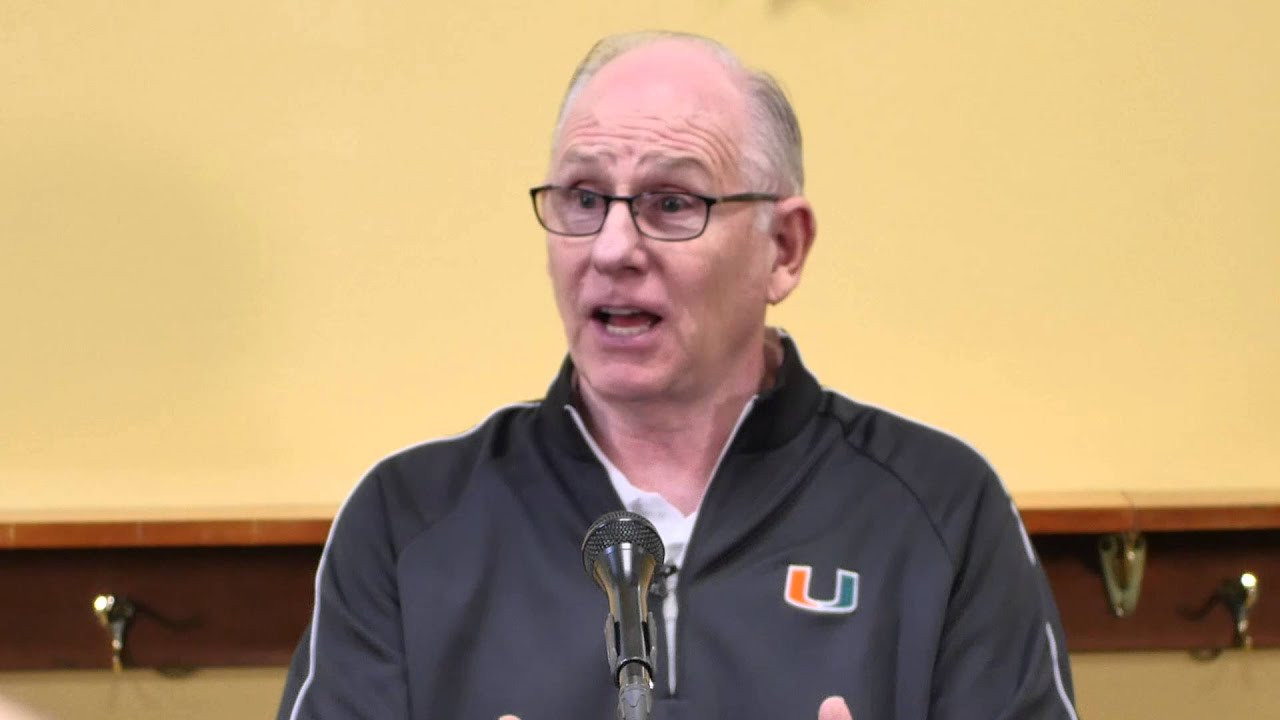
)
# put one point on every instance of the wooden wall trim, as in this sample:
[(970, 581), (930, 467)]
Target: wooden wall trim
[(1172, 511), (1043, 514), (234, 587), (165, 527), (240, 606), (184, 533), (1180, 606), (1147, 511), (196, 607)]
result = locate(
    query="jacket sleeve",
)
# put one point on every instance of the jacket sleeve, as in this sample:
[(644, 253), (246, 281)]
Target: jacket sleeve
[(1002, 653), (349, 664)]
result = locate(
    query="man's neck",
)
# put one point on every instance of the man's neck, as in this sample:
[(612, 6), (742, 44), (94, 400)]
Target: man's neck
[(672, 447)]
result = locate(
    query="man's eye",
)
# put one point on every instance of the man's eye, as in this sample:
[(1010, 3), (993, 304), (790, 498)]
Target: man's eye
[(587, 200), (674, 203)]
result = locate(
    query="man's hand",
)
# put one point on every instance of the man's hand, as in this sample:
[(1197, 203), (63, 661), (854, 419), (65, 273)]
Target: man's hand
[(833, 708), (12, 711)]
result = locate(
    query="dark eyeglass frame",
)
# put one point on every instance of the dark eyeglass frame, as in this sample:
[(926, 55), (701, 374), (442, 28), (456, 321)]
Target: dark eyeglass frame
[(709, 200)]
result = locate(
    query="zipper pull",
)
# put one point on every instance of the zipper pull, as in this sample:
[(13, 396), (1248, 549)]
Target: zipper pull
[(659, 587)]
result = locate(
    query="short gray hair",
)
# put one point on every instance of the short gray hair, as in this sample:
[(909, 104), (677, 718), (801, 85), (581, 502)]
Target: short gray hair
[(775, 159)]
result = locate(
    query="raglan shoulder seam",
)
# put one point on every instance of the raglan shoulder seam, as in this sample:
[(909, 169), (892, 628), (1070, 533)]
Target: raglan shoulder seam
[(925, 509), (370, 475), (473, 433)]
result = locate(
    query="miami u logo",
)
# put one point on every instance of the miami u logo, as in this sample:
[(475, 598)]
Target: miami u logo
[(797, 594)]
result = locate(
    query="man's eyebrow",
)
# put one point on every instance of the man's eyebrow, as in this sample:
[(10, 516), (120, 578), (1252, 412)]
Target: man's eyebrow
[(575, 156), (664, 162)]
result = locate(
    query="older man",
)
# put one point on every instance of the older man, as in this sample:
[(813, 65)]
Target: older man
[(821, 552)]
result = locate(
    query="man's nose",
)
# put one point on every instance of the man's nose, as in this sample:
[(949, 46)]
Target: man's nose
[(618, 246)]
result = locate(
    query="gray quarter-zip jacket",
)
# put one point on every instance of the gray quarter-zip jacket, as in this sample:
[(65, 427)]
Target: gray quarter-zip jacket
[(840, 550)]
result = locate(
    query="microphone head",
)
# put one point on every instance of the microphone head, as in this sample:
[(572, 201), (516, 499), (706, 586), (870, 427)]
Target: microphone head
[(616, 528)]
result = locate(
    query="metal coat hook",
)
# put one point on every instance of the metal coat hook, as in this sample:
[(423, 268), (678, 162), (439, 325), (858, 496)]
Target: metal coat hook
[(1240, 595), (1124, 558), (115, 614)]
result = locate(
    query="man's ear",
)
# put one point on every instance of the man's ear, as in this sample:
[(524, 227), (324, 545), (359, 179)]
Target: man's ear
[(794, 228)]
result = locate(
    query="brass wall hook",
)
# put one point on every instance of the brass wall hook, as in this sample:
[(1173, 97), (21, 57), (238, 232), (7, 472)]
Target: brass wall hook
[(115, 614), (1124, 558), (1240, 595)]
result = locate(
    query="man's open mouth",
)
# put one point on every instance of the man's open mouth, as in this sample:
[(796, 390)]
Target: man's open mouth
[(625, 321)]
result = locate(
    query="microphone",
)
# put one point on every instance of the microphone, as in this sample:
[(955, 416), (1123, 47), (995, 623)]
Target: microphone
[(621, 552)]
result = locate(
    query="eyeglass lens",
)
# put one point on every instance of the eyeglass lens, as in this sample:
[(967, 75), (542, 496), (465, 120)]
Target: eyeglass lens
[(662, 215)]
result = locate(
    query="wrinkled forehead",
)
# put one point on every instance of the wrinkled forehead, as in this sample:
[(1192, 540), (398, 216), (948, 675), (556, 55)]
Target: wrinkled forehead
[(666, 104)]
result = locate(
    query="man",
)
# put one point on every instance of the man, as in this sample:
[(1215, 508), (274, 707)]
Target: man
[(824, 555)]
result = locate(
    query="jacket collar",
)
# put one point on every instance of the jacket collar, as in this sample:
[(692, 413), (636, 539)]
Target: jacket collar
[(778, 415)]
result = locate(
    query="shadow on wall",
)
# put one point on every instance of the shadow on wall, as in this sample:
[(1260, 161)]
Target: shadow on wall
[(130, 285)]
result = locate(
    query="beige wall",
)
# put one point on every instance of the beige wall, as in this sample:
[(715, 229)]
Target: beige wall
[(1131, 686), (242, 693), (246, 248)]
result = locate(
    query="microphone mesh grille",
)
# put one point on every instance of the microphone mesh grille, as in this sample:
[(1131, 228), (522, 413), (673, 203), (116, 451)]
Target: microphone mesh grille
[(620, 527)]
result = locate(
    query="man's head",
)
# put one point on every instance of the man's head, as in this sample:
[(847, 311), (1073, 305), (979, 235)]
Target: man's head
[(674, 116), (774, 151)]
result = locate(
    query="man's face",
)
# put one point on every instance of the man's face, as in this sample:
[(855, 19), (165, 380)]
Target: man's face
[(647, 319)]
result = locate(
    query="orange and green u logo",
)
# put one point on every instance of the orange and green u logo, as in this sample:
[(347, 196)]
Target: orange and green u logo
[(797, 594)]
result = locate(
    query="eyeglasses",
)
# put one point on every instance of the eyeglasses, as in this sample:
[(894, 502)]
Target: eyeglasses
[(671, 216)]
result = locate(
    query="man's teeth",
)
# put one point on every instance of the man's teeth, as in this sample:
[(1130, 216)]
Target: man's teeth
[(626, 331), (626, 321)]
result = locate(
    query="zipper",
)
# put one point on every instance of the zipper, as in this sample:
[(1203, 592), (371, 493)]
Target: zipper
[(676, 668), (671, 660), (662, 589)]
